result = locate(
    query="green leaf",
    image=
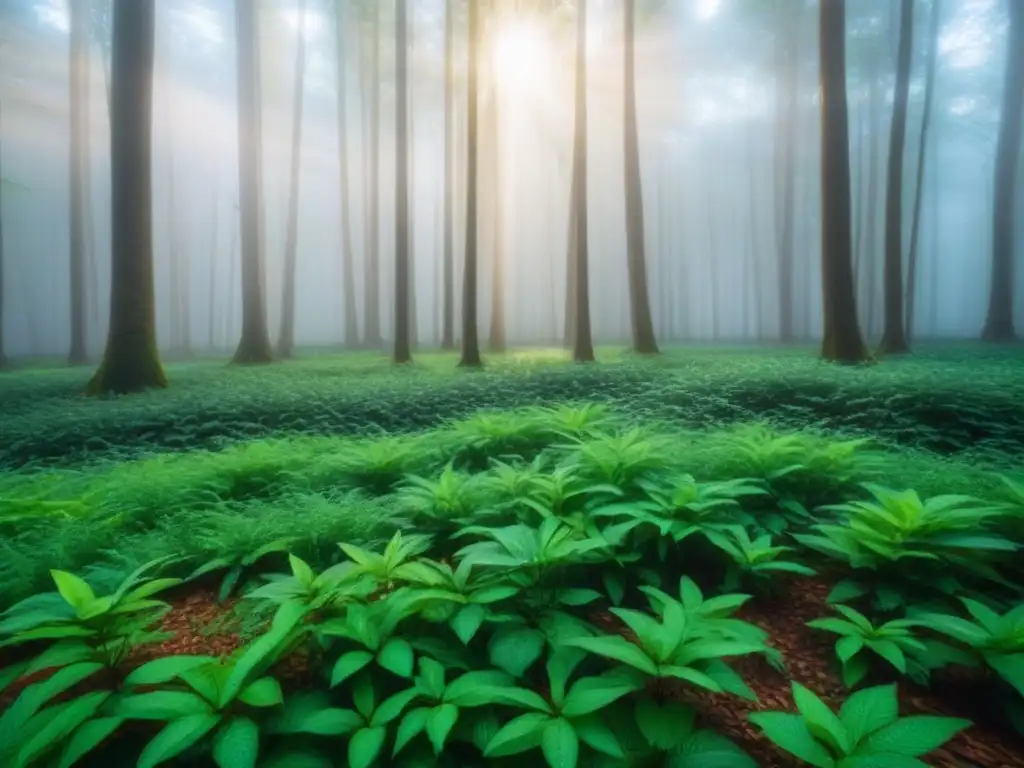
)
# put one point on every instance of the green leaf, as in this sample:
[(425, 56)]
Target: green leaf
[(175, 738), (883, 760), (913, 736), (237, 744), (516, 650), (35, 696), (1010, 667), (845, 591), (868, 710), (848, 647), (87, 738), (466, 622), (593, 731), (591, 694), (74, 590), (618, 649), (855, 670), (348, 664), (821, 720), (559, 743), (577, 597), (262, 651), (366, 745), (707, 749), (69, 717), (790, 732), (440, 722), (412, 725), (520, 734), (664, 726), (397, 657), (392, 706), (477, 689), (265, 692), (302, 572), (838, 626), (166, 669), (891, 652), (161, 705)]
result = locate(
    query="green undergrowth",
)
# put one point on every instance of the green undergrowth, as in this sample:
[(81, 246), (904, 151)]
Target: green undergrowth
[(951, 400)]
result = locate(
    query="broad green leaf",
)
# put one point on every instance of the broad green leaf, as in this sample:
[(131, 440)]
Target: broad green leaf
[(440, 721), (237, 744), (559, 743), (70, 716), (73, 589), (618, 649), (848, 647), (1010, 667), (593, 731), (576, 597), (889, 651), (301, 570), (410, 727), (868, 710), (366, 745), (466, 622), (265, 692), (913, 736), (392, 707), (821, 720), (664, 726), (516, 650), (35, 696), (261, 652), (520, 734), (591, 694), (476, 689), (160, 705), (348, 664), (166, 669), (175, 738), (397, 657), (790, 733), (707, 749), (89, 736)]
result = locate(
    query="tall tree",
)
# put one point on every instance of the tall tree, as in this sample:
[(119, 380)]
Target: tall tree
[(448, 279), (211, 341), (926, 121), (842, 340), (181, 338), (894, 339), (130, 362), (254, 345), (582, 345), (402, 352), (470, 357), (78, 91), (351, 322), (636, 252), (3, 351), (496, 341), (286, 336), (787, 83), (999, 323), (371, 324)]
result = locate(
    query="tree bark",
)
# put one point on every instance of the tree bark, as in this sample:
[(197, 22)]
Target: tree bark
[(350, 328), (497, 342), (926, 121), (173, 258), (842, 341), (78, 90), (894, 339), (448, 323), (470, 357), (254, 345), (999, 326), (371, 299), (211, 341), (787, 83), (865, 275), (130, 362), (642, 326), (3, 349), (570, 268), (286, 336), (582, 345), (402, 352)]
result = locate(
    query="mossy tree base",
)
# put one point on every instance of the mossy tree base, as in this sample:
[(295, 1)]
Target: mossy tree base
[(124, 374), (1000, 333), (252, 354)]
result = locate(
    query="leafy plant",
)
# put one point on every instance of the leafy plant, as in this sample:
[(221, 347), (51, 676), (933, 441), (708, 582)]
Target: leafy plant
[(388, 566), (237, 565), (442, 503), (339, 583), (751, 559), (867, 730), (891, 641), (622, 459)]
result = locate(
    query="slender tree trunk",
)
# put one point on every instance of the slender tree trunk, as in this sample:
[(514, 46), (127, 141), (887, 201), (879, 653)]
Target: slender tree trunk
[(254, 345), (470, 340), (402, 352), (448, 330), (642, 326), (286, 336), (410, 144), (582, 345), (571, 263), (233, 264), (894, 339), (78, 61), (842, 340), (173, 258), (999, 325), (867, 263), (131, 362), (497, 338), (755, 247), (3, 348), (371, 298), (351, 321), (211, 341), (787, 82), (926, 121)]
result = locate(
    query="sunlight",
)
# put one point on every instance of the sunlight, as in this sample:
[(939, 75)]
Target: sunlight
[(705, 10), (521, 55)]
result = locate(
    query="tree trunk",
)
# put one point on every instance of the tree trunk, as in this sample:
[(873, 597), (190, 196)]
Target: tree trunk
[(211, 341), (497, 338), (371, 324), (351, 322), (642, 326), (570, 269), (254, 345), (894, 339), (755, 241), (787, 82), (448, 329), (78, 90), (842, 341), (286, 337), (866, 265), (999, 325), (130, 362), (926, 121), (3, 349), (402, 352), (582, 345), (173, 258), (470, 357)]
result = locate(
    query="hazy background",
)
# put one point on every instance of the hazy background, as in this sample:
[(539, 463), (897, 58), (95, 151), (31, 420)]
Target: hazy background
[(706, 93)]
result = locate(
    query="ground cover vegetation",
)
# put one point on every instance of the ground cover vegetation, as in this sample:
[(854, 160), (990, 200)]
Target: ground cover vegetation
[(645, 563)]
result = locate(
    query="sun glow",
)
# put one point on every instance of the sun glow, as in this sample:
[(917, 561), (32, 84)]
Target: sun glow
[(521, 55)]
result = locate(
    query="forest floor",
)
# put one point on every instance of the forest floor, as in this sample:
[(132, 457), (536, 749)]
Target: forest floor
[(228, 459)]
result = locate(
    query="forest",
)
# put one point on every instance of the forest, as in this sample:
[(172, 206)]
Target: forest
[(453, 382)]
